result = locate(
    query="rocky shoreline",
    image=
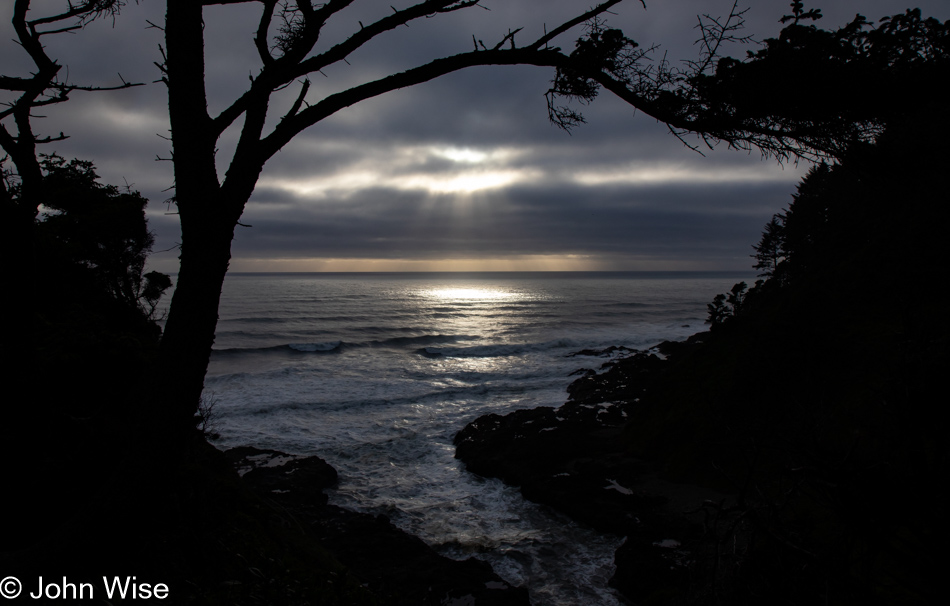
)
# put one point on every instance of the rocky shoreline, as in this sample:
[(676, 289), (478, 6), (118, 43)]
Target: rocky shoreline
[(393, 565), (574, 459), (571, 458)]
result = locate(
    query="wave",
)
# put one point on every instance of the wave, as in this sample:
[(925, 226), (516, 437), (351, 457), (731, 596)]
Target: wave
[(630, 304), (420, 340), (317, 347), (496, 349), (362, 404), (338, 346), (289, 348)]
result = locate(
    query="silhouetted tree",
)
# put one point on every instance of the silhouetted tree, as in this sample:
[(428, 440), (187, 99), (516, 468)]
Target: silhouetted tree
[(718, 312), (837, 93), (101, 230), (725, 307), (737, 297), (845, 355), (825, 90), (40, 88), (93, 336), (22, 189), (770, 250)]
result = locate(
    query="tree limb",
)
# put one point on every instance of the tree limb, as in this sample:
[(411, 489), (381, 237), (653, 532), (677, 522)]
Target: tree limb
[(292, 125), (597, 10), (260, 39), (342, 50), (288, 68), (42, 88), (300, 99)]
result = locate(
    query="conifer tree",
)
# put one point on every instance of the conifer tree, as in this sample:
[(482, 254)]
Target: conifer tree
[(770, 251)]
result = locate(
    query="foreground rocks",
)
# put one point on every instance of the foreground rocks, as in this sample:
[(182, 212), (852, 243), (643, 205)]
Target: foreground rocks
[(396, 567), (573, 459)]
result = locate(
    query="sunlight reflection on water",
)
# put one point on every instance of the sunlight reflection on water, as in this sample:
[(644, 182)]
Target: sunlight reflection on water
[(469, 294)]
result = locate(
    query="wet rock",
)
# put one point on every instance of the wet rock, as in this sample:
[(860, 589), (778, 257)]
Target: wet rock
[(574, 460), (396, 566), (273, 472)]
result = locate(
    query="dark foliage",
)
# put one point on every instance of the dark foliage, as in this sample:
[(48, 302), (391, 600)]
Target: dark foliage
[(92, 304), (816, 404), (826, 89), (601, 50), (771, 251), (101, 230), (93, 340), (727, 307)]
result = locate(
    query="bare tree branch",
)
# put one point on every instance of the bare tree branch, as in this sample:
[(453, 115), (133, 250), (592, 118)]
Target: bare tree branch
[(284, 70), (292, 125), (509, 37), (597, 10), (260, 39), (43, 87), (300, 100), (86, 11), (342, 50), (223, 2)]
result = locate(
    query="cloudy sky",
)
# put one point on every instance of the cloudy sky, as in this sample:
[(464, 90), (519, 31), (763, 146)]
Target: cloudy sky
[(462, 173)]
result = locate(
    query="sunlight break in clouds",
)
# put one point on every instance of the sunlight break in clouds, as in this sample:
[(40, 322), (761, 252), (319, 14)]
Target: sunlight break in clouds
[(660, 174), (514, 263), (467, 182), (408, 168), (345, 183), (471, 170), (464, 154)]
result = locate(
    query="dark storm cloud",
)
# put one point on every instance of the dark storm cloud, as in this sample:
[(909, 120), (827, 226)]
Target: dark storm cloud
[(586, 193)]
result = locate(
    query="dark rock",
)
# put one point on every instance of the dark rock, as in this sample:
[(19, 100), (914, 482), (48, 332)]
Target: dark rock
[(396, 566), (601, 352), (646, 568), (400, 567), (273, 472), (574, 460)]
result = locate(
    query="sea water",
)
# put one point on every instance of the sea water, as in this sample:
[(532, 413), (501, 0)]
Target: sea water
[(376, 373)]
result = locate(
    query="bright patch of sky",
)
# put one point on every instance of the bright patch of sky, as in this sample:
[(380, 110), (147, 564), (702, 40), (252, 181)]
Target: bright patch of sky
[(672, 172), (470, 170)]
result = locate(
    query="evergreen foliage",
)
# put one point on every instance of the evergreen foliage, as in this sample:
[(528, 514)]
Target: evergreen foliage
[(770, 251), (94, 304), (97, 228), (834, 88), (815, 404)]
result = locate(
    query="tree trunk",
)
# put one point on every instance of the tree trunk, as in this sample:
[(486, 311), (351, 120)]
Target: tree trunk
[(193, 317), (205, 232)]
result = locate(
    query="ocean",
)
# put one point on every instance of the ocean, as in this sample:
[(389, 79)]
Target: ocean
[(376, 373)]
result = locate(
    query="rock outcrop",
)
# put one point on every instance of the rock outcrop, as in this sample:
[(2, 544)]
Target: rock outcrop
[(394, 565), (573, 459)]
